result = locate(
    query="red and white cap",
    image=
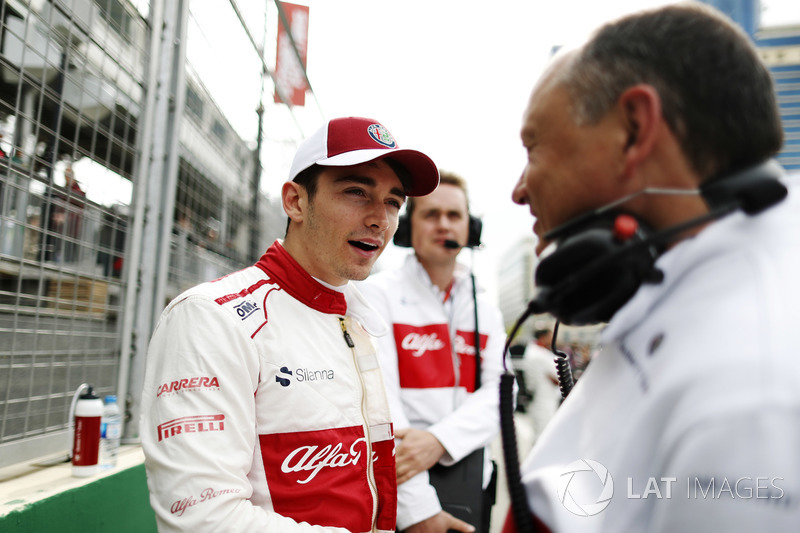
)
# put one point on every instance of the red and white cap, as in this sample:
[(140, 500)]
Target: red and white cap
[(354, 140)]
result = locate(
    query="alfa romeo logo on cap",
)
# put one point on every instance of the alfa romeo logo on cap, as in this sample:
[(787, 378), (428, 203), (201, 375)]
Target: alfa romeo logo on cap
[(585, 488), (381, 135)]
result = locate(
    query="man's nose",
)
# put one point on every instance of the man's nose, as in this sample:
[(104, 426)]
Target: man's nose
[(378, 217), (518, 194)]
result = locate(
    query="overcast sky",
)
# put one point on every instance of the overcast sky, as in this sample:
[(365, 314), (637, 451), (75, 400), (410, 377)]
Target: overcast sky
[(449, 77)]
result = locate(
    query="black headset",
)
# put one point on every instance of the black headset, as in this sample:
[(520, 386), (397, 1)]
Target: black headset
[(601, 258), (402, 236)]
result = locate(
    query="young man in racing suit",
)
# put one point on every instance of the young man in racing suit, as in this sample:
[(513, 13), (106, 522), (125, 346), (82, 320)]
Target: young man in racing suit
[(429, 360), (264, 407)]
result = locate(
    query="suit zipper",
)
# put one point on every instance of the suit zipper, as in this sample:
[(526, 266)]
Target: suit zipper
[(368, 456), (347, 338)]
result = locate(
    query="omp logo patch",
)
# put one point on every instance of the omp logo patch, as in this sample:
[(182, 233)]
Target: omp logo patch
[(284, 381), (245, 309)]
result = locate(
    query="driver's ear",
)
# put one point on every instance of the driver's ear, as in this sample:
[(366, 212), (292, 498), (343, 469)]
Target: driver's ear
[(295, 200)]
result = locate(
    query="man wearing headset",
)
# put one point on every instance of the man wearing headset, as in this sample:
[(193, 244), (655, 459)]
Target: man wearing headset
[(441, 415), (689, 417)]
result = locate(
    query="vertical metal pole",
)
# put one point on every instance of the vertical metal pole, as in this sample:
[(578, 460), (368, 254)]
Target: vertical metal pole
[(255, 186), (136, 222), (256, 247), (172, 108), (155, 199)]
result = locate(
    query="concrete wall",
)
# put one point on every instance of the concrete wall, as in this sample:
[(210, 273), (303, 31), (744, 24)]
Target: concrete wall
[(51, 500)]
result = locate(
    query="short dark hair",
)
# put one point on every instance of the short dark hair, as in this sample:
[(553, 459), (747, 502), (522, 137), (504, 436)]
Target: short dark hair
[(309, 178), (717, 96)]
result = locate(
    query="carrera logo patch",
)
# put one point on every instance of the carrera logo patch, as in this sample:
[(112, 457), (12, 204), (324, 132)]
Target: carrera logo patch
[(245, 309), (381, 135), (195, 383), (191, 424)]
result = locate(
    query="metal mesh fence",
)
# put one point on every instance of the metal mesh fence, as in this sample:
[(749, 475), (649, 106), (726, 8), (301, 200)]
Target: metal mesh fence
[(71, 86), (77, 195)]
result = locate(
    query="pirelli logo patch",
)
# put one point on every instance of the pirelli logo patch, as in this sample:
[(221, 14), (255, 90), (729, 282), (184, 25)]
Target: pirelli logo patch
[(191, 424)]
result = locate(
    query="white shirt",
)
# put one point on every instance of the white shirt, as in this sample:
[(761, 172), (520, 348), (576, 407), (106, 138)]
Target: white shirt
[(693, 404)]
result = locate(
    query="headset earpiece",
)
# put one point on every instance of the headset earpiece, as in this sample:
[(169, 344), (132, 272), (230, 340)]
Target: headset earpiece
[(475, 228), (754, 188), (402, 237)]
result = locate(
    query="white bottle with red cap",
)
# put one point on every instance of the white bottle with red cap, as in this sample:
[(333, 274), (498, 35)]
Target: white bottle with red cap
[(86, 441)]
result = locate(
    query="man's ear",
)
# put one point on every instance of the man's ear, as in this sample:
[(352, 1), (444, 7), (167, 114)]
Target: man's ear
[(295, 200), (641, 108)]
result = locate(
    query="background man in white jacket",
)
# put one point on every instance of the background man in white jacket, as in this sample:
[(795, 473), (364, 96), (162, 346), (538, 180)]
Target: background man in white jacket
[(688, 419), (440, 413)]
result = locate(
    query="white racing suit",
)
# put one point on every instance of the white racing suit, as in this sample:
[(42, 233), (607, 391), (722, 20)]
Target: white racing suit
[(264, 408), (429, 366)]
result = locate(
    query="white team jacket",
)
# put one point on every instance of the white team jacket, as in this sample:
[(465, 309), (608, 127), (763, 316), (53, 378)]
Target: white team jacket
[(258, 415), (693, 405), (429, 366)]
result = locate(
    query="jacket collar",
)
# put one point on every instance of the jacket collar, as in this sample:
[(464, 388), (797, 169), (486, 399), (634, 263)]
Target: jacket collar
[(720, 238), (417, 271), (282, 268)]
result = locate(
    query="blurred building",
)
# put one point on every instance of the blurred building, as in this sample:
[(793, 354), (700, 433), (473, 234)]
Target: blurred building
[(515, 280), (87, 92), (779, 44), (780, 49)]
